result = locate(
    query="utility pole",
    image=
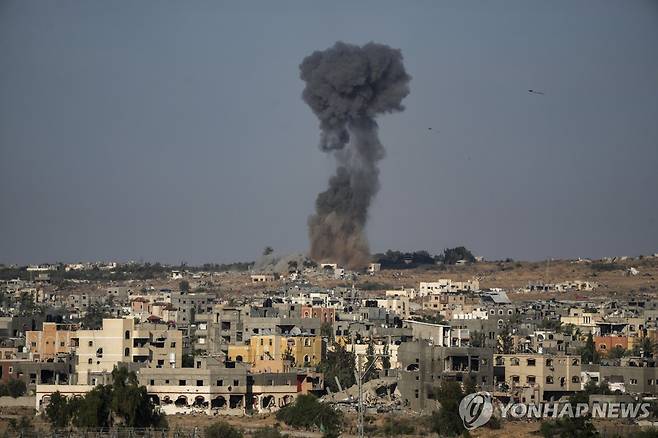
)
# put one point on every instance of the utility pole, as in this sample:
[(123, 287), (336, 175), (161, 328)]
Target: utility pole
[(360, 374), (360, 383)]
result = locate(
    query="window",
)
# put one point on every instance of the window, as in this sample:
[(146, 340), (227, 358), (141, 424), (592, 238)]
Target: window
[(220, 382), (90, 361), (236, 382), (575, 379), (61, 344), (127, 334), (182, 383), (514, 361), (173, 345), (91, 343), (549, 380), (531, 362), (152, 382), (549, 363), (126, 352), (515, 379), (199, 383), (633, 381), (575, 362), (530, 379)]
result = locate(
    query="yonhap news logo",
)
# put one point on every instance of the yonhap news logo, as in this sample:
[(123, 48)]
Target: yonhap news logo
[(476, 410)]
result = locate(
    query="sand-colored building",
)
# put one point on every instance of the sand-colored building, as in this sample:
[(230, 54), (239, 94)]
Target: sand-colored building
[(266, 351), (121, 340), (539, 376), (52, 340)]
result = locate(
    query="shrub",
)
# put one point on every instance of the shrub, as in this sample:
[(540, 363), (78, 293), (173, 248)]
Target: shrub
[(222, 430), (14, 388), (269, 432), (307, 413), (397, 427)]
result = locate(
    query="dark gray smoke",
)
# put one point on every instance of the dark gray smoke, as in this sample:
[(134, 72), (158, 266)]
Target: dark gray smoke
[(347, 86)]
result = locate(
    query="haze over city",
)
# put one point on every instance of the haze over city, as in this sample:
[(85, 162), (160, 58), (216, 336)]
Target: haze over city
[(178, 133)]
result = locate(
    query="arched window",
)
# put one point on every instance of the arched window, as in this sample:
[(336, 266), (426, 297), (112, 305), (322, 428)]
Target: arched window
[(127, 334), (126, 352)]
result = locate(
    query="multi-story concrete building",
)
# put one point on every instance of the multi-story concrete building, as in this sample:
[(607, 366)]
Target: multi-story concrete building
[(324, 314), (51, 341), (536, 377), (122, 341), (424, 366), (445, 285), (632, 375), (265, 351)]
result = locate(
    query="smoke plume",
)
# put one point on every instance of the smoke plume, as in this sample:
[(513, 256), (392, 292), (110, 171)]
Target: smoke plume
[(347, 86)]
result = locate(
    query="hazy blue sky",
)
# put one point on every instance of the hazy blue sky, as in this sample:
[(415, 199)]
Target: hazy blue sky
[(172, 131)]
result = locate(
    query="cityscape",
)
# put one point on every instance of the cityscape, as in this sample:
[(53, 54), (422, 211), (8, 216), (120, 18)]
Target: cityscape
[(346, 219)]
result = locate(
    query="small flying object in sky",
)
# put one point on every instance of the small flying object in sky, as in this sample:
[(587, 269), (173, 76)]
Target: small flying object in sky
[(535, 92)]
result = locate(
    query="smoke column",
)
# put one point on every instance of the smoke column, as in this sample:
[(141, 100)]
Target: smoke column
[(347, 86)]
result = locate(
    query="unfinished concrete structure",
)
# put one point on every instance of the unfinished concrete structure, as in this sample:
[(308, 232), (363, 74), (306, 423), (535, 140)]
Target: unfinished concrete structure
[(424, 366)]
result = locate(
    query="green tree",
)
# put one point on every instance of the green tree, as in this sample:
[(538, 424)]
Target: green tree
[(222, 429), (131, 403), (565, 427), (57, 411), (93, 318), (184, 286), (478, 338), (268, 250), (645, 348), (339, 363), (289, 356), (308, 413), (453, 255), (95, 408), (447, 421), (123, 401), (589, 354), (370, 367), (386, 358), (26, 304), (187, 361), (616, 352), (470, 384), (13, 388), (505, 344), (327, 330)]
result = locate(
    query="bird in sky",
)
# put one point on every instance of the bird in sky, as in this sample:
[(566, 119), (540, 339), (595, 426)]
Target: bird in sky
[(535, 92)]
